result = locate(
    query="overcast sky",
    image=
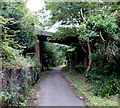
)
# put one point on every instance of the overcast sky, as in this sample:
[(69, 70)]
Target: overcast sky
[(35, 5)]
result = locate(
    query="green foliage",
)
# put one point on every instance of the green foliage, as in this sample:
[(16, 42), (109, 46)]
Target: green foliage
[(64, 33), (3, 96), (8, 53), (15, 59), (88, 22), (111, 87), (34, 62), (104, 23), (17, 37), (7, 35), (106, 84), (95, 57), (20, 23), (87, 90), (71, 50), (24, 103), (52, 54), (10, 97), (85, 22), (79, 68), (82, 27), (86, 35), (27, 37), (99, 25), (17, 26)]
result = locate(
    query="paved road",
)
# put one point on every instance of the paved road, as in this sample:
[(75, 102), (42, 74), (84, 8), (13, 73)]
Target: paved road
[(55, 91)]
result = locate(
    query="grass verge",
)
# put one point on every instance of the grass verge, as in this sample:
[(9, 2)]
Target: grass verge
[(86, 90)]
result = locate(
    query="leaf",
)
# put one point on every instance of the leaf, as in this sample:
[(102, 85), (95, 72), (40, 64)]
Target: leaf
[(71, 50)]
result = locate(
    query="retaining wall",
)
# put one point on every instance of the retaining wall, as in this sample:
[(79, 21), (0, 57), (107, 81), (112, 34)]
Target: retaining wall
[(16, 83)]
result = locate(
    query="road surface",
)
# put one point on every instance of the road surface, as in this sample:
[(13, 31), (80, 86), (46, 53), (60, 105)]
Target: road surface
[(55, 91)]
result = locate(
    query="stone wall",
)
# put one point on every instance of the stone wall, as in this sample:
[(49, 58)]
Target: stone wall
[(16, 83)]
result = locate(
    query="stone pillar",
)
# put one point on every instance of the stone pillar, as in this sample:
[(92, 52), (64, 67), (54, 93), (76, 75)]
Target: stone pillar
[(37, 51)]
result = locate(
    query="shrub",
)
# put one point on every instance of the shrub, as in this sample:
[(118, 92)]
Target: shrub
[(111, 87), (104, 85), (79, 68)]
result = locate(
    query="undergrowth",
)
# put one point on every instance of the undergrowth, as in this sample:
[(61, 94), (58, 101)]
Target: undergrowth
[(13, 59), (98, 89), (105, 85)]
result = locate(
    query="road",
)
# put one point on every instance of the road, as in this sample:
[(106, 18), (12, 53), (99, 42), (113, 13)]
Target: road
[(55, 91)]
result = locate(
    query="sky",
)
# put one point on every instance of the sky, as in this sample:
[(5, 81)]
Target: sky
[(35, 5)]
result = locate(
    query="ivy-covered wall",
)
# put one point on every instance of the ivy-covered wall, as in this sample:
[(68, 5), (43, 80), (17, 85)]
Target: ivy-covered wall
[(16, 84)]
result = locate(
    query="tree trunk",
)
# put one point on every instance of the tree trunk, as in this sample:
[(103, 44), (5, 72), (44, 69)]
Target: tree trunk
[(90, 60)]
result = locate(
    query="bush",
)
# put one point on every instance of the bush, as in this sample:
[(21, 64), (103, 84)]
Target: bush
[(79, 68), (13, 60), (104, 85), (95, 76), (8, 53), (111, 87)]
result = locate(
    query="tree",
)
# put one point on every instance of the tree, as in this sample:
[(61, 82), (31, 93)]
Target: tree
[(90, 23), (23, 21)]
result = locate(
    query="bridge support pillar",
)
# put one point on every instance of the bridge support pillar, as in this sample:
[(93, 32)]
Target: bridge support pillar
[(37, 51)]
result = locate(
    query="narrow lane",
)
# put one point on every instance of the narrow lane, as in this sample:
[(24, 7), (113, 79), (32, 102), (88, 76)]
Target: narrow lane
[(55, 91)]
